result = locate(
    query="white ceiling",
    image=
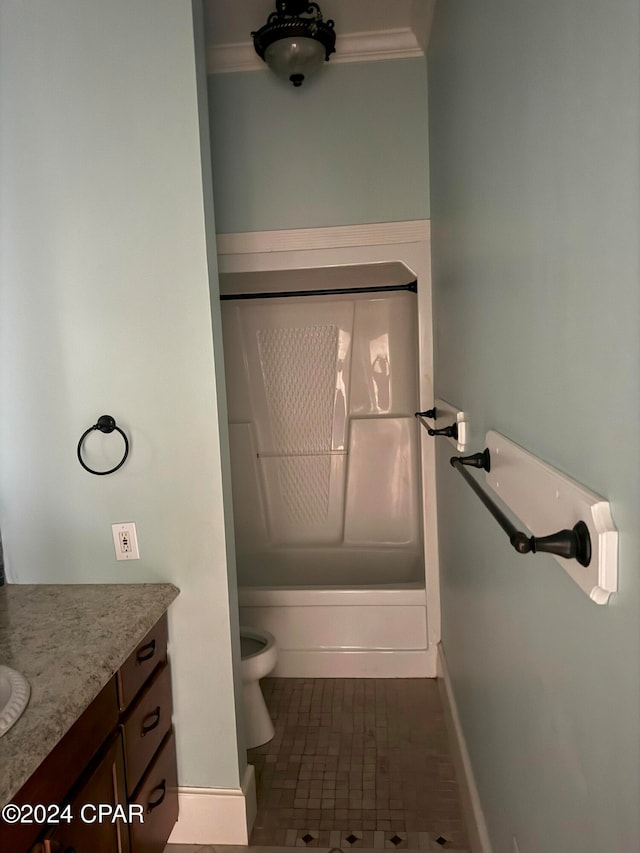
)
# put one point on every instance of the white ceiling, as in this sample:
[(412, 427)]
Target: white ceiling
[(366, 30)]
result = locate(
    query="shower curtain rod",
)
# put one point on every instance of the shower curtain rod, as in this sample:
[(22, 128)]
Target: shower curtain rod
[(412, 287), (574, 544)]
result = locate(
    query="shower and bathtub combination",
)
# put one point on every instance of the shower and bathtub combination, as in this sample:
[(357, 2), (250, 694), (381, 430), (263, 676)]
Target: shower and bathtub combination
[(322, 383)]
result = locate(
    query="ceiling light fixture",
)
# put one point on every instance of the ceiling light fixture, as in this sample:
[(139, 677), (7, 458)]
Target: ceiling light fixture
[(294, 47)]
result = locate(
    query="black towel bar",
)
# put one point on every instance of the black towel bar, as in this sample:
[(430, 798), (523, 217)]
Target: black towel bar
[(570, 544)]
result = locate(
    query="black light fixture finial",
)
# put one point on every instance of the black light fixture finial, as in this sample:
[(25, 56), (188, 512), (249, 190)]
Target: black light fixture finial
[(292, 45)]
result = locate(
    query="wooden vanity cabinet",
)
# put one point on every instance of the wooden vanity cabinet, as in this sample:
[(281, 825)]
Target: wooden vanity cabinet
[(121, 751), (144, 693)]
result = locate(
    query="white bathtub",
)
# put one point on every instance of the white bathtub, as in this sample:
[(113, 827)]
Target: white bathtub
[(374, 631)]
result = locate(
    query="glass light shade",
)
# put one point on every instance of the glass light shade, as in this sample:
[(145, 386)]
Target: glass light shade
[(295, 58)]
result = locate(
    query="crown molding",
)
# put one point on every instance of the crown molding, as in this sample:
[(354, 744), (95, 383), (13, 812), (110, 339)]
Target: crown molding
[(377, 45), (239, 56), (353, 47)]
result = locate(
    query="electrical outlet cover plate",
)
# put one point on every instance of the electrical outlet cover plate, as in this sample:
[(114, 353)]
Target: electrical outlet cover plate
[(125, 540), (546, 500)]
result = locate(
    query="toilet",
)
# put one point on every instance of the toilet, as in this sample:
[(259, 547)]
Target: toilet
[(259, 657)]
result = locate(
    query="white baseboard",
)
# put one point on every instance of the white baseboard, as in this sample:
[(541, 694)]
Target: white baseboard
[(216, 815), (373, 663), (250, 797), (471, 805)]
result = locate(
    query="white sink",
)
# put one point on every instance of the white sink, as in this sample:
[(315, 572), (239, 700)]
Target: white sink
[(14, 695)]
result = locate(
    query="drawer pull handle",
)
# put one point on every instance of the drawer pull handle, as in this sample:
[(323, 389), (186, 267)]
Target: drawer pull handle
[(146, 652), (153, 804), (150, 722)]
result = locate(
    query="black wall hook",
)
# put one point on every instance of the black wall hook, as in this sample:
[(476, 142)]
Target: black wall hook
[(104, 424)]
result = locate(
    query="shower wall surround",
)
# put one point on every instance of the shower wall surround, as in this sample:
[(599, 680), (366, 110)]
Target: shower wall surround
[(324, 445)]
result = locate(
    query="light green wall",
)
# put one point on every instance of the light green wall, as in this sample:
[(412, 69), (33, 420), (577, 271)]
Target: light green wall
[(346, 148), (534, 140), (105, 309)]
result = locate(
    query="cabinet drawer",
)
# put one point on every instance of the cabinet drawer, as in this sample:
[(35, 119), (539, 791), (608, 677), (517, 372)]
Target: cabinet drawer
[(146, 724), (104, 784), (60, 770), (150, 652), (158, 796)]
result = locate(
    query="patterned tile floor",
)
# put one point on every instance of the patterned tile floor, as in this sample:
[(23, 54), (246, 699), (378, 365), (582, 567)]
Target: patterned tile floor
[(356, 763)]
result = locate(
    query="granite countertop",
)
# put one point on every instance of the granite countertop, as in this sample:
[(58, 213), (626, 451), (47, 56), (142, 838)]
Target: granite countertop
[(67, 641)]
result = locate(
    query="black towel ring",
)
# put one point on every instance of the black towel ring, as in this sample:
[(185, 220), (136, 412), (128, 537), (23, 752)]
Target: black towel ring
[(105, 424)]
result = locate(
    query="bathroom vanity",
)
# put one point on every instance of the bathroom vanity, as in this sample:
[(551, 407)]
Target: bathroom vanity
[(90, 765)]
